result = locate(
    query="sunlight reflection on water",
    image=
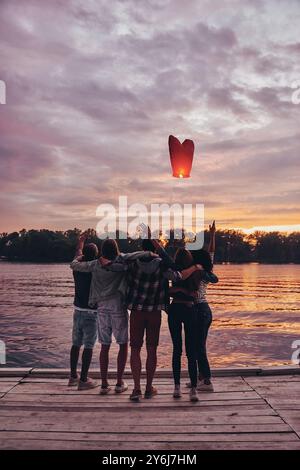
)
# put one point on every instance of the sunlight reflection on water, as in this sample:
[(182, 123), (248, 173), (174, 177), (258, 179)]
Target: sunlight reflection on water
[(256, 315)]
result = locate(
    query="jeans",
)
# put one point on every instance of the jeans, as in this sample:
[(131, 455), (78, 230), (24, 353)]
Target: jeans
[(203, 322), (181, 314)]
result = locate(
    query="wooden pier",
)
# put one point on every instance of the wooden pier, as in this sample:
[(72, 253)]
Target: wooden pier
[(250, 409)]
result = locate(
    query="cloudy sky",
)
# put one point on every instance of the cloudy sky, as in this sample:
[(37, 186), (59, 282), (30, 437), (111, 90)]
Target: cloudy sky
[(94, 88)]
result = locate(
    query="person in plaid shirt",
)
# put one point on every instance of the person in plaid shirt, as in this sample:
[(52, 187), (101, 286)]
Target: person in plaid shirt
[(148, 282), (147, 287)]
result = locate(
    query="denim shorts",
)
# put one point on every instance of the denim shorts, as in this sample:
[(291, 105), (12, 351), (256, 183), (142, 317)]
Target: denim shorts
[(84, 328)]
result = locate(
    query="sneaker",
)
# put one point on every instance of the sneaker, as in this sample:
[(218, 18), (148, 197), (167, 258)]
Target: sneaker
[(121, 388), (189, 385), (193, 394), (104, 390), (88, 385), (73, 382), (203, 387), (135, 395), (177, 392), (150, 393)]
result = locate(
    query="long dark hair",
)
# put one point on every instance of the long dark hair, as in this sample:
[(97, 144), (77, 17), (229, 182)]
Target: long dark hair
[(183, 260), (110, 249), (203, 257), (90, 252)]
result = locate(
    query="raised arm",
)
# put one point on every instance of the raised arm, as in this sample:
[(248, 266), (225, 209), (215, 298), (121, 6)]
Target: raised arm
[(77, 264), (80, 244), (212, 238), (167, 260)]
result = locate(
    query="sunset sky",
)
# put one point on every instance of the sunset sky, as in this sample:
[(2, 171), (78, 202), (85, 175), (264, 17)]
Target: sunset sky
[(94, 88)]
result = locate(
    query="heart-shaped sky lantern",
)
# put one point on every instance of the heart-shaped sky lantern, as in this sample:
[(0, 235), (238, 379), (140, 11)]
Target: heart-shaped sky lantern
[(181, 156)]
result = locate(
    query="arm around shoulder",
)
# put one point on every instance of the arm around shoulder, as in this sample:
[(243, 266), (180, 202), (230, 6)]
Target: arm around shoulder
[(83, 266)]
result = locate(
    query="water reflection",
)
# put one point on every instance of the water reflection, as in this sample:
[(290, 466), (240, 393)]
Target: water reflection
[(256, 315)]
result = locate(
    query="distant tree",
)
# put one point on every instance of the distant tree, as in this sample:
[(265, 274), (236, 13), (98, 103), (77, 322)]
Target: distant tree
[(231, 245), (270, 247)]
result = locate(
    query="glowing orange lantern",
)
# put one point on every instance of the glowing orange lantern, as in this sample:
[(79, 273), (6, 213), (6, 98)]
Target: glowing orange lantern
[(181, 156)]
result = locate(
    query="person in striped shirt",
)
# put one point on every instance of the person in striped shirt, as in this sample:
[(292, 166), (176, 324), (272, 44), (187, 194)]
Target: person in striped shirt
[(204, 314)]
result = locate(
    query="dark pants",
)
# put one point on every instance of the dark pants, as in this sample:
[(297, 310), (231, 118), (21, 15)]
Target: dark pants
[(203, 322), (180, 314)]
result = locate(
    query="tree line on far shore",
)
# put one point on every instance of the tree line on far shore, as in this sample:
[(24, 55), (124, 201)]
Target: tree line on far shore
[(232, 246)]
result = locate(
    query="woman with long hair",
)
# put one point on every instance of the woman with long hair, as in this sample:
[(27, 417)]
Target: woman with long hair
[(204, 314), (182, 313)]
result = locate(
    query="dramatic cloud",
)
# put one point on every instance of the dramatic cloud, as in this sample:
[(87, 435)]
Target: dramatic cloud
[(94, 88)]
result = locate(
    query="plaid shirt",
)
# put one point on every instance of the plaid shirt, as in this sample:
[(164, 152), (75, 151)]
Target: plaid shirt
[(149, 291), (146, 292)]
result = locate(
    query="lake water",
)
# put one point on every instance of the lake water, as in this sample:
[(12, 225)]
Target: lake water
[(256, 315)]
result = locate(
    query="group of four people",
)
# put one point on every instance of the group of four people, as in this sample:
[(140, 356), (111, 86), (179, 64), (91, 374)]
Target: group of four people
[(106, 287)]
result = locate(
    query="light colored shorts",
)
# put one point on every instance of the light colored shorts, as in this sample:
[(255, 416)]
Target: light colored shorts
[(84, 328), (112, 320)]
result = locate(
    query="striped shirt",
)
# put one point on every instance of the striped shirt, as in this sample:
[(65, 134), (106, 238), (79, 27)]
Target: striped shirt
[(201, 292)]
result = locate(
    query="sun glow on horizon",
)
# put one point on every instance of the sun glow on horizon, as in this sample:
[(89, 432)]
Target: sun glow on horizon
[(272, 228)]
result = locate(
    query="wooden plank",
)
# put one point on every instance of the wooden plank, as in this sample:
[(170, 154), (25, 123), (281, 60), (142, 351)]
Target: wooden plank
[(230, 404), (164, 380), (227, 381), (6, 386), (10, 379), (158, 437), (29, 444), (186, 405), (288, 401), (147, 419), (14, 371), (272, 379), (129, 428), (278, 406), (147, 429), (16, 395), (235, 406), (288, 387), (184, 416), (292, 418), (163, 389), (282, 370), (236, 371), (221, 384), (166, 372)]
